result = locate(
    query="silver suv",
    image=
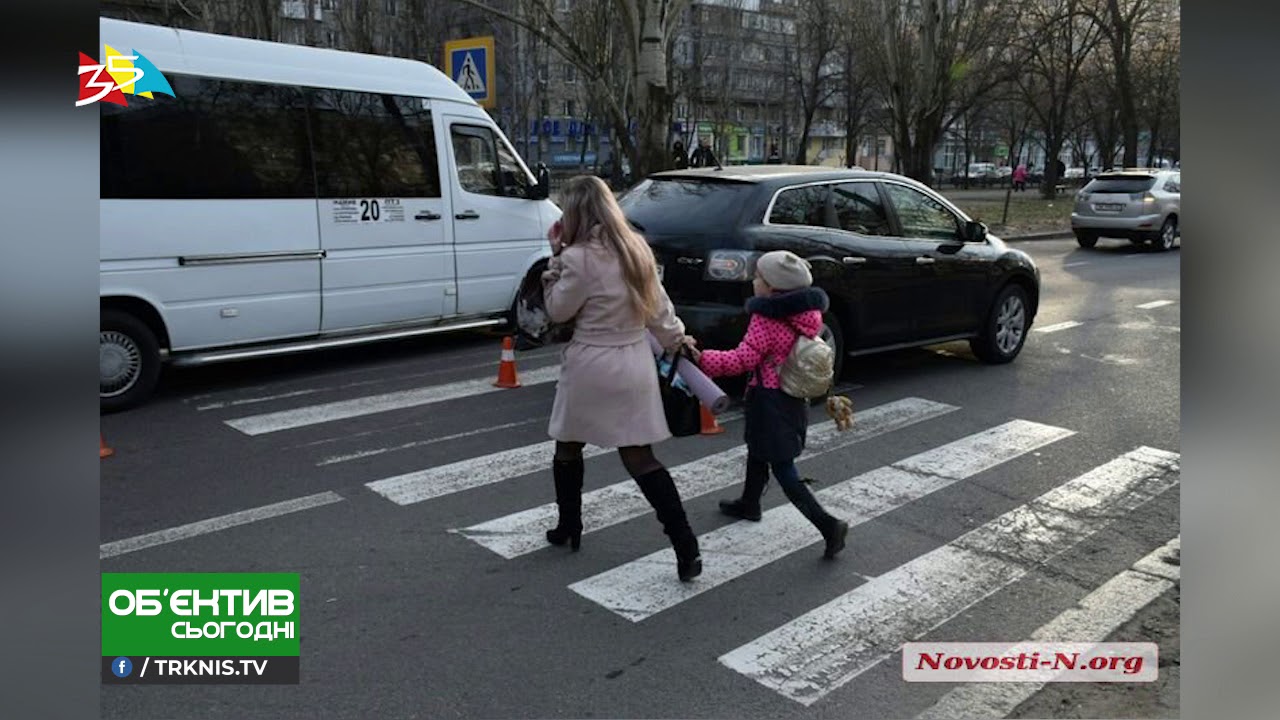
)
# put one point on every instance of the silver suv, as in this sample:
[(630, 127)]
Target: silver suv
[(1139, 205)]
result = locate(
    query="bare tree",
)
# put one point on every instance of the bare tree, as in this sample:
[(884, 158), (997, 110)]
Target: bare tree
[(1158, 75), (923, 50), (1097, 101), (1060, 36), (854, 85), (1121, 22), (812, 66), (647, 26)]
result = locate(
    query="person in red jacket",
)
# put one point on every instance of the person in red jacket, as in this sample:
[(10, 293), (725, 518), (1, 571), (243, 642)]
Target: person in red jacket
[(785, 306)]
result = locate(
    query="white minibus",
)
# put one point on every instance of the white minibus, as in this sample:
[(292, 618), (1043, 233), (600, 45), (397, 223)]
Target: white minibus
[(290, 198)]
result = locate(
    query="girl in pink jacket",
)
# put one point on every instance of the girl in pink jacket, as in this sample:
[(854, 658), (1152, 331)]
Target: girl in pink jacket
[(785, 306)]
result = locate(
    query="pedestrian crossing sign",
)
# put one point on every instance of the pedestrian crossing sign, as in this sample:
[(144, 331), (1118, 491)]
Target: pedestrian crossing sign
[(469, 63)]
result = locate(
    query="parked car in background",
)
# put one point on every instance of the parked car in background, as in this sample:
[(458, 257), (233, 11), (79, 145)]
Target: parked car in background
[(903, 265), (1140, 205)]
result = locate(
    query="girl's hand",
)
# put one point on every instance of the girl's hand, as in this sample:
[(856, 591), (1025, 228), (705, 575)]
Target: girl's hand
[(690, 346)]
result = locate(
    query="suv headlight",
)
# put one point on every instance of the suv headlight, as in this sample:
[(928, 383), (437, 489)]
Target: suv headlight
[(731, 265)]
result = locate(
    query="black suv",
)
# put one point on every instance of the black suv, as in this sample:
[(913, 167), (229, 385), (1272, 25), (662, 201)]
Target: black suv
[(902, 265)]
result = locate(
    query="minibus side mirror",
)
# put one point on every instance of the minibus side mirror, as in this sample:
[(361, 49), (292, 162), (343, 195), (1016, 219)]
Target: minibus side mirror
[(542, 189)]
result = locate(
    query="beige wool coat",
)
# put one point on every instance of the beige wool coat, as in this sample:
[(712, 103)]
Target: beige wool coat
[(607, 393)]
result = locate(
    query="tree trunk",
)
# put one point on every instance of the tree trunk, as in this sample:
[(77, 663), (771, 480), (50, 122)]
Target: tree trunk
[(1053, 149)]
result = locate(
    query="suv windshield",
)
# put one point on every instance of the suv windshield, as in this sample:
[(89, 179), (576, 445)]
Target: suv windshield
[(1123, 184), (684, 205)]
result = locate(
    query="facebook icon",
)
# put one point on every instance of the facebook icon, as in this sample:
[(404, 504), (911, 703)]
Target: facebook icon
[(121, 667)]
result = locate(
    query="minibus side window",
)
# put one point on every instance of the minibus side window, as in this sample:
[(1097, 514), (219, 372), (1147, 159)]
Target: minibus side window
[(477, 161), (371, 144), (215, 140)]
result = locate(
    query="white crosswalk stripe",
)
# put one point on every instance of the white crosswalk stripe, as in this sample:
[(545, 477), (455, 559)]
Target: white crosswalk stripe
[(638, 589), (386, 402), (808, 658), (1093, 619), (524, 532)]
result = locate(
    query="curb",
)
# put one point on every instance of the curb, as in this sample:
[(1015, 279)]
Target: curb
[(1056, 235)]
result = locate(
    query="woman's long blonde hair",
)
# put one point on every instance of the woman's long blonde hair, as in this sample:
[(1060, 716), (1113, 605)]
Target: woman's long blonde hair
[(588, 203)]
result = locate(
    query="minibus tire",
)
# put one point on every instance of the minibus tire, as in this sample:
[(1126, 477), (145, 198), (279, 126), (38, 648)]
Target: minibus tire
[(123, 340)]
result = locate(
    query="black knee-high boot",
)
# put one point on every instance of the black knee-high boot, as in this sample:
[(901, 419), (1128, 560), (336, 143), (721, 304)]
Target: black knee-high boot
[(660, 490), (568, 478), (748, 506), (832, 528)]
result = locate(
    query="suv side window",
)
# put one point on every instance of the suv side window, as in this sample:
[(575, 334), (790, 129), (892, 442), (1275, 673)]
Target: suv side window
[(859, 209), (801, 206), (921, 216), (1174, 184)]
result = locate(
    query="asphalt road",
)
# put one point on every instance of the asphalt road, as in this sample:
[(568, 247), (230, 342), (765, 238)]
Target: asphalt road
[(986, 503)]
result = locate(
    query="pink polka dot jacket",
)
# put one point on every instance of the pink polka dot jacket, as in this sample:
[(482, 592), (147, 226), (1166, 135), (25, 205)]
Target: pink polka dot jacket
[(776, 322)]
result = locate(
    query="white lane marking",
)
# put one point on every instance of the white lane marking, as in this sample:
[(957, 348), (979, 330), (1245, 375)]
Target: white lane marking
[(1075, 264), (389, 373), (473, 472), (222, 522), (641, 589), (1060, 326), (1093, 619), (524, 532), (334, 459), (820, 651), (1154, 304), (343, 409)]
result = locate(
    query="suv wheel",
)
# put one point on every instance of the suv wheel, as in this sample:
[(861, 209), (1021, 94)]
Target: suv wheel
[(1164, 241), (833, 336), (1006, 327), (1086, 239), (128, 361)]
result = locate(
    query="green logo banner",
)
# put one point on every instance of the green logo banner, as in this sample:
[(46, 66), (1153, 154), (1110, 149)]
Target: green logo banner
[(200, 614)]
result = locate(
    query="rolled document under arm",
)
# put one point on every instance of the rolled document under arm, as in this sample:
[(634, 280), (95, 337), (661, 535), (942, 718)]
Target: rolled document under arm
[(703, 387)]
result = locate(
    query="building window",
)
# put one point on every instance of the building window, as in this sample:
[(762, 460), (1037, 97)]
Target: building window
[(389, 6), (570, 74), (568, 108)]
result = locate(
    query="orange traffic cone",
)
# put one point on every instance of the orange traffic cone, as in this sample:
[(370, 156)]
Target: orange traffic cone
[(507, 368), (103, 450), (709, 424)]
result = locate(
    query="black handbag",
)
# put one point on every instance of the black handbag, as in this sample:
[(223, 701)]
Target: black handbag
[(683, 411)]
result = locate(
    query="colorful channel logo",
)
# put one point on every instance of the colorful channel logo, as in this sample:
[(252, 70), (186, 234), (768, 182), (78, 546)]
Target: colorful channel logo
[(118, 76)]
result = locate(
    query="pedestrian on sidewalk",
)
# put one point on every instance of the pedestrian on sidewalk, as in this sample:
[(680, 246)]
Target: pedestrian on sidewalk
[(679, 157), (785, 306), (1020, 177), (604, 278)]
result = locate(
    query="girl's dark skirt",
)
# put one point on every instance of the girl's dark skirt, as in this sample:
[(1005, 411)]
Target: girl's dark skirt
[(776, 424)]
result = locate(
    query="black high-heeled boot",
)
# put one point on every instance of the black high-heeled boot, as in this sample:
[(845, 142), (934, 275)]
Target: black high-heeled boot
[(833, 529), (660, 490), (747, 507), (568, 479)]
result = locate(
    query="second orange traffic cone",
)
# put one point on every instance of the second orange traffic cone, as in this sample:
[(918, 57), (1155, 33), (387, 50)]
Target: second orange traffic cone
[(709, 424), (507, 377), (103, 450)]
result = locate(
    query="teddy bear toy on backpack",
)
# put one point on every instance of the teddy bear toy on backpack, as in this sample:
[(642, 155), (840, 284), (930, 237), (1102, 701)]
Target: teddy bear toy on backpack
[(840, 408)]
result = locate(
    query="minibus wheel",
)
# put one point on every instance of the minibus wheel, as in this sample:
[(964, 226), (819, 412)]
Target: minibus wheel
[(128, 361)]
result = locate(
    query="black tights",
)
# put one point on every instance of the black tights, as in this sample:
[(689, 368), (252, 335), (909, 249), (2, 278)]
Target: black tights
[(638, 460)]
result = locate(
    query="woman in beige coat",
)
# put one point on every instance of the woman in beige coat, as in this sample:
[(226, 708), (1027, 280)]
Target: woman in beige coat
[(605, 279)]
